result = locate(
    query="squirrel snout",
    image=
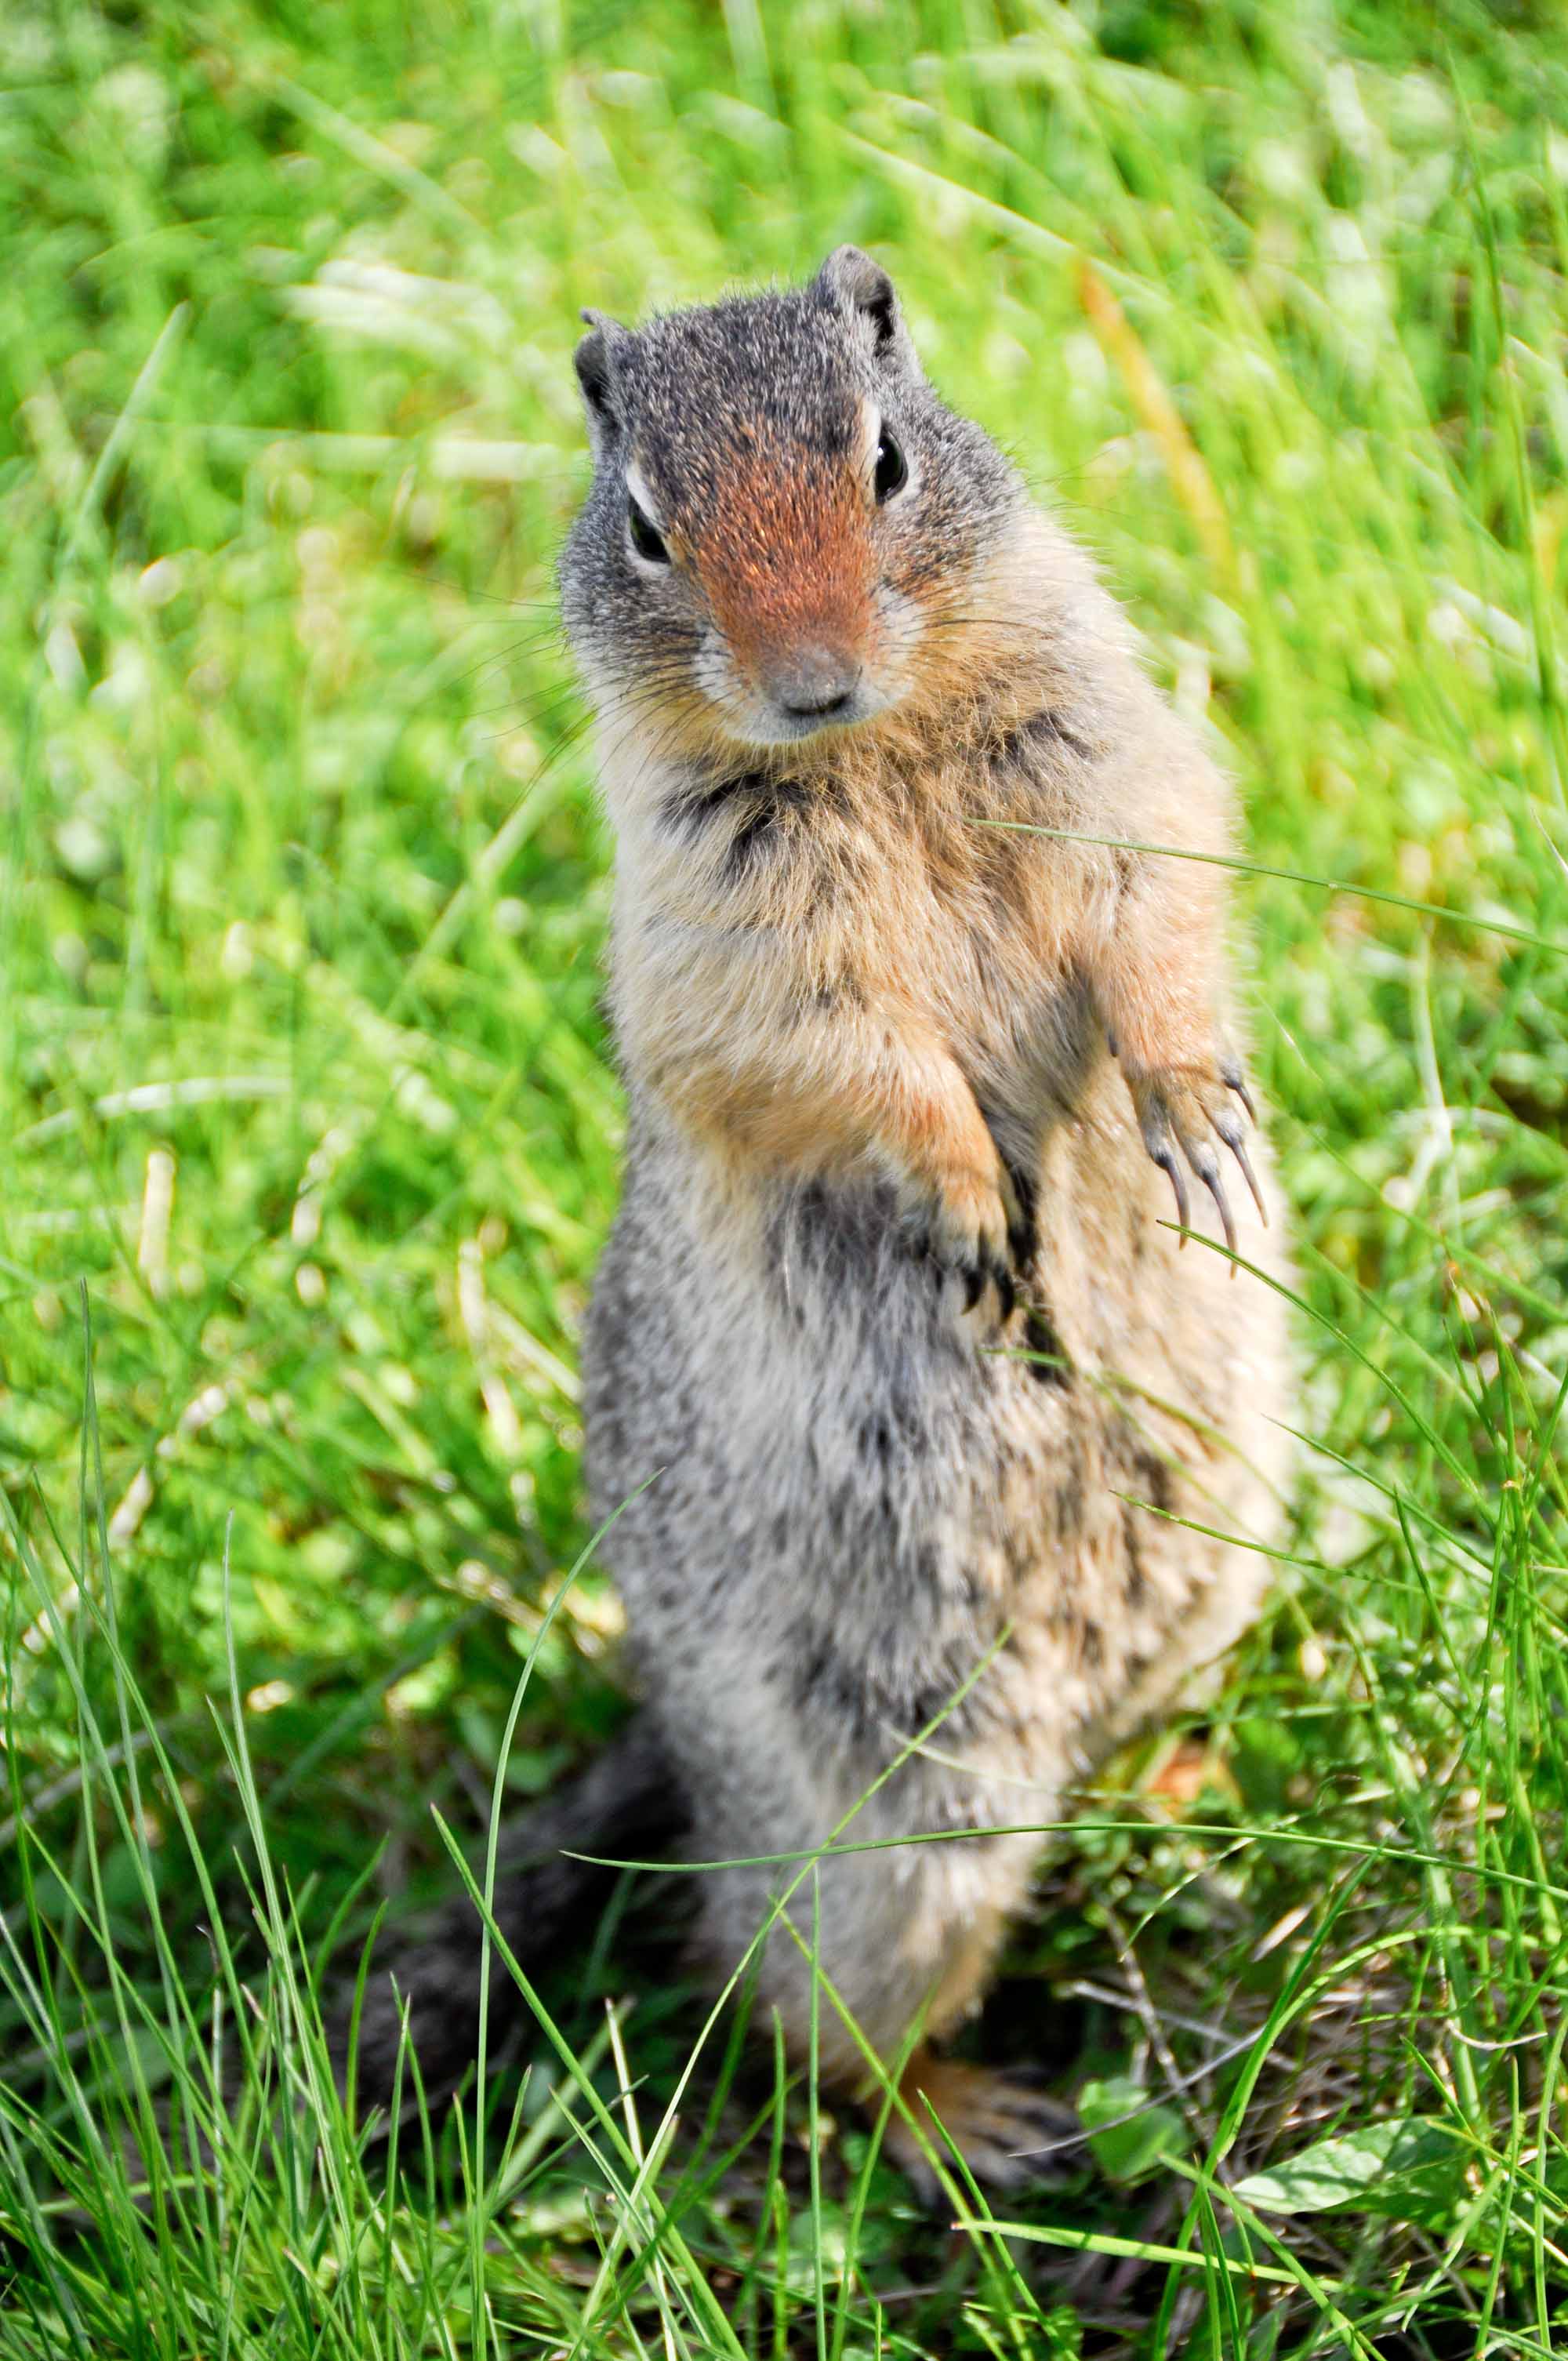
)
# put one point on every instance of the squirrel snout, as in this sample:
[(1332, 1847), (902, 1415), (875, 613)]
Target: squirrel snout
[(813, 683)]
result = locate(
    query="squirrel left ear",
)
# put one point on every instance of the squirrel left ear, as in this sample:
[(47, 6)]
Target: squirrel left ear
[(594, 361), (862, 287)]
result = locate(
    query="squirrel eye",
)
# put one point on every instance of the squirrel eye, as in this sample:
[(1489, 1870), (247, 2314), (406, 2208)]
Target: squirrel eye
[(646, 538), (892, 468)]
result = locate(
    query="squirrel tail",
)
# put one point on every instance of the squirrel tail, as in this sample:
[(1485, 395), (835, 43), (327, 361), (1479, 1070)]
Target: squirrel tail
[(627, 1801)]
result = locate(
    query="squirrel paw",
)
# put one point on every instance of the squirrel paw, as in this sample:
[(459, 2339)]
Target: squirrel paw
[(1004, 2128), (1178, 1107), (972, 1223)]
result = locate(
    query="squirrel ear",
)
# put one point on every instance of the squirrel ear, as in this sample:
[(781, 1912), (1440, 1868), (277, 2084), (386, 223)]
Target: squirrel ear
[(850, 278), (594, 361)]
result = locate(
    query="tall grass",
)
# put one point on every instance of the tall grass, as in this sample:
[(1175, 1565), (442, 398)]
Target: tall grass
[(309, 1139)]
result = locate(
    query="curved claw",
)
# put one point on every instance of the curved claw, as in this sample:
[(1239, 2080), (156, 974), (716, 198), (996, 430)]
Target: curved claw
[(1238, 1149), (1177, 1114), (1165, 1156), (988, 1269), (1205, 1163), (1233, 1078)]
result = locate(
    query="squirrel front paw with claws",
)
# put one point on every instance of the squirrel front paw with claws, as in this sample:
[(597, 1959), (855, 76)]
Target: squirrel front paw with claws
[(1181, 1110), (971, 1223)]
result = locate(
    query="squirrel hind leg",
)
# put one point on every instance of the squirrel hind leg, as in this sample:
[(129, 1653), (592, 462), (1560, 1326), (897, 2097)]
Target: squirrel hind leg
[(1007, 2131), (1001, 2121), (932, 1971)]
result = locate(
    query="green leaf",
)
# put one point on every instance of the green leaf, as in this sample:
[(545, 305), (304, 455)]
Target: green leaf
[(1409, 2169), (1130, 2132)]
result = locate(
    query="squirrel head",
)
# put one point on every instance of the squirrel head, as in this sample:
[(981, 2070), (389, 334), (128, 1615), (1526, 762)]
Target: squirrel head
[(782, 514)]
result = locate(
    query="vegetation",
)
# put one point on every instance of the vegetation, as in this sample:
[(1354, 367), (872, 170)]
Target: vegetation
[(310, 1138)]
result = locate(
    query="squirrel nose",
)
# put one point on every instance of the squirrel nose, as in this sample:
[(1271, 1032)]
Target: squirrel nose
[(813, 684)]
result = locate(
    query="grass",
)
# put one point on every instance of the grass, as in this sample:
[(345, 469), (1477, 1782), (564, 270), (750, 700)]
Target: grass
[(310, 1138)]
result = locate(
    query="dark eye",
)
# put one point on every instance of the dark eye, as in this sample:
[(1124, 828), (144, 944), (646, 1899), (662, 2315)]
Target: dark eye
[(646, 538), (892, 468)]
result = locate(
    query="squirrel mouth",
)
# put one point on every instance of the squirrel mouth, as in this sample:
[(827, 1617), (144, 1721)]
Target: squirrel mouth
[(780, 696), (770, 719), (821, 710), (795, 721)]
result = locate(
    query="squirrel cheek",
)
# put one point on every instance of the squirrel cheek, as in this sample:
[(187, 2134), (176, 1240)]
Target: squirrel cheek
[(893, 640), (715, 670)]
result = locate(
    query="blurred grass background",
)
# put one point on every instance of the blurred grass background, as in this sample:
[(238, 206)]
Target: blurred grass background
[(310, 1136)]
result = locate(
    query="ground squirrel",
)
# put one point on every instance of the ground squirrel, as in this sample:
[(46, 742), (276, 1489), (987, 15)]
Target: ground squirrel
[(907, 1021)]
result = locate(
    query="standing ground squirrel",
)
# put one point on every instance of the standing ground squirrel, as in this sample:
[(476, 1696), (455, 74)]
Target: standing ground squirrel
[(889, 1316)]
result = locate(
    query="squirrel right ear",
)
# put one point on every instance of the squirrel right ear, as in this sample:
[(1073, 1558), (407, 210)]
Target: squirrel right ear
[(594, 361), (850, 278)]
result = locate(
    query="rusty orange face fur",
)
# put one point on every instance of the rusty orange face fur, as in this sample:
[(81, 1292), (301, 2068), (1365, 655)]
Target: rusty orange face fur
[(787, 565)]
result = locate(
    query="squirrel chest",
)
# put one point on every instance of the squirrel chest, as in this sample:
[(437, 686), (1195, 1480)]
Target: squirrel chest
[(765, 901)]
